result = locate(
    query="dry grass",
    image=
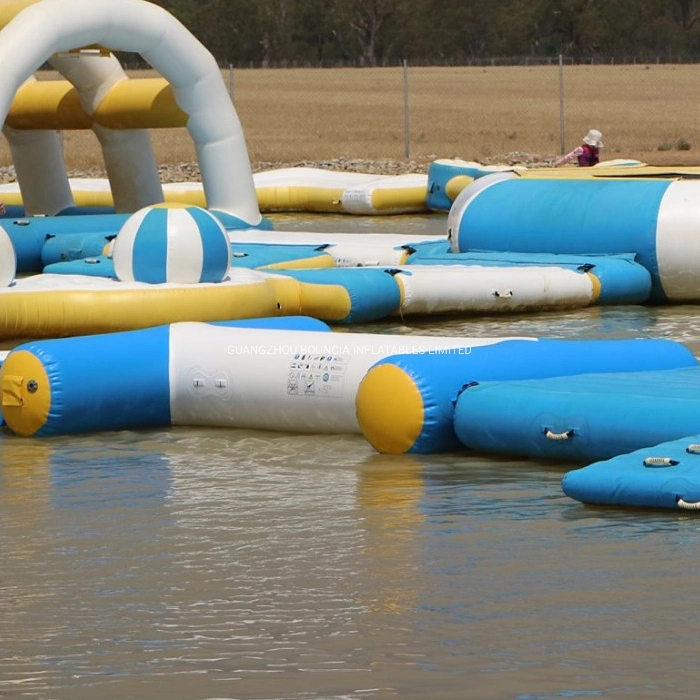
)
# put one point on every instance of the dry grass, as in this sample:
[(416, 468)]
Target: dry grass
[(483, 114)]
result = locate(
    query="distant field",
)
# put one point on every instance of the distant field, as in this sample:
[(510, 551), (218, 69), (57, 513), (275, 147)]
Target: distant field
[(648, 112)]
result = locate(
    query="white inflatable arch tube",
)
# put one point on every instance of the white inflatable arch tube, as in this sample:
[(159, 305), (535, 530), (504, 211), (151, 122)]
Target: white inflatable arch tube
[(128, 153), (45, 28), (40, 170)]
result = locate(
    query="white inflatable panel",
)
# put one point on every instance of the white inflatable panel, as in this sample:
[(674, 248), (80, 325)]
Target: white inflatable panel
[(391, 194), (302, 382), (678, 241), (454, 288)]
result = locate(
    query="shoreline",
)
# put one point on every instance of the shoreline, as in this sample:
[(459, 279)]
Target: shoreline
[(189, 172)]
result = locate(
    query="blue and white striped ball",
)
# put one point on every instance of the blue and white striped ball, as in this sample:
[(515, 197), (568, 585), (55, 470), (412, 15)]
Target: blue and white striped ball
[(166, 243), (8, 259)]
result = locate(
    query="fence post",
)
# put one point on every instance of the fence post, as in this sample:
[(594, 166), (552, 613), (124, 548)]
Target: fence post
[(562, 126), (406, 125)]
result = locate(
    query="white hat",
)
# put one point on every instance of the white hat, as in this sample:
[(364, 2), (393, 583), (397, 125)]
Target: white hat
[(594, 138)]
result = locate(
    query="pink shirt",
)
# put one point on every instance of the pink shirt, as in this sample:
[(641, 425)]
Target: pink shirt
[(587, 156), (578, 151)]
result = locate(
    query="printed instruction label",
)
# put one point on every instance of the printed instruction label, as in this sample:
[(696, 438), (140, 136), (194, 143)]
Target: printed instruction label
[(312, 374)]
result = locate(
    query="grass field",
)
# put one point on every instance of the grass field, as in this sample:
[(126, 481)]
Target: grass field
[(487, 114)]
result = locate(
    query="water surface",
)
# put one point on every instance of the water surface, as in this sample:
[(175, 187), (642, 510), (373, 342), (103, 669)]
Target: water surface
[(187, 564)]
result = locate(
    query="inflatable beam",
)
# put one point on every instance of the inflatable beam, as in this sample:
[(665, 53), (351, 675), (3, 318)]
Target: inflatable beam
[(407, 403), (51, 306), (143, 103), (618, 279), (197, 374), (663, 476), (581, 418)]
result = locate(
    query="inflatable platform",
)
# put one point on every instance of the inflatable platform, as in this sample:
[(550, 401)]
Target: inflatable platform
[(581, 418), (431, 403), (293, 377), (666, 475), (301, 189)]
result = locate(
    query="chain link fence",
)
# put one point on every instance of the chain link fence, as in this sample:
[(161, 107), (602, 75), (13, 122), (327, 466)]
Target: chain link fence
[(410, 115), (488, 113)]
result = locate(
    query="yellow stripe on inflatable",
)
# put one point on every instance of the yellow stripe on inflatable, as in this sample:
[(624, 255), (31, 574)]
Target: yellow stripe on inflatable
[(287, 291), (300, 198), (402, 261), (402, 292), (14, 198), (316, 262), (26, 393), (143, 103), (192, 197), (398, 198), (596, 285), (625, 172), (47, 104), (389, 409), (456, 184), (329, 302), (60, 312), (10, 8)]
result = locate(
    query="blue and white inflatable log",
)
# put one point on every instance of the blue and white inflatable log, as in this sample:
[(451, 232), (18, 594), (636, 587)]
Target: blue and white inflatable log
[(446, 289), (617, 279), (198, 374), (372, 293), (37, 239), (666, 475), (406, 403), (29, 235), (580, 418), (656, 220)]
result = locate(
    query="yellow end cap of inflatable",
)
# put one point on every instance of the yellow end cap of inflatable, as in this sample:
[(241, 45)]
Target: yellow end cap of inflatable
[(26, 393), (389, 408), (597, 287), (456, 185)]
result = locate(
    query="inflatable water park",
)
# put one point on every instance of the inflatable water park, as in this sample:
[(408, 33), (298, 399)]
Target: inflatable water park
[(206, 315)]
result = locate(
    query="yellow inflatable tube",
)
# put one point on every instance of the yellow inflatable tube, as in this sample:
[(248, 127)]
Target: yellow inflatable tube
[(143, 103), (51, 306), (89, 306)]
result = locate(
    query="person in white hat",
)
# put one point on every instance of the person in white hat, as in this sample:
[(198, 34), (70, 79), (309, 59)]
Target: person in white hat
[(588, 153)]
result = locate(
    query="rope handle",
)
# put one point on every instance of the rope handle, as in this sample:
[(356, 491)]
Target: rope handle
[(688, 505), (693, 449), (660, 462), (508, 294), (558, 436)]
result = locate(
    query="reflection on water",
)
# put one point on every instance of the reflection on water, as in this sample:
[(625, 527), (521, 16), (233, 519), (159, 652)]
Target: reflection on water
[(220, 563), (210, 563)]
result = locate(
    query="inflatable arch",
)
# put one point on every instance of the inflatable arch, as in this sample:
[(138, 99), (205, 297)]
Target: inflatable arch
[(62, 32)]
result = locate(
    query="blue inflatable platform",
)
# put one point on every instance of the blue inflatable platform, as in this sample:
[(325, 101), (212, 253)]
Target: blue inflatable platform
[(666, 475)]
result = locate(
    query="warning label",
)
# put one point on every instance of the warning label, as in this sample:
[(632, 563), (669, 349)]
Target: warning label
[(312, 374)]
